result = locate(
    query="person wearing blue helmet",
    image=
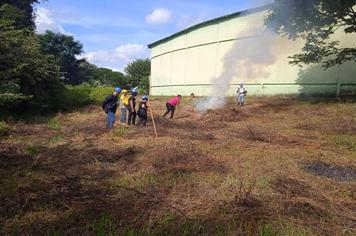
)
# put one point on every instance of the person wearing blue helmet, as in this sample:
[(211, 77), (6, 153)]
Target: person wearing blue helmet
[(110, 106), (142, 111), (131, 107)]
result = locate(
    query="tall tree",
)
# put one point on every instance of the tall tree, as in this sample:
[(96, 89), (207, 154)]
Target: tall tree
[(26, 75), (138, 73), (316, 21), (26, 8), (64, 49), (108, 77)]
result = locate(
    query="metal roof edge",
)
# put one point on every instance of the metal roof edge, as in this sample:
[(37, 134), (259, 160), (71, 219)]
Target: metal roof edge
[(212, 21)]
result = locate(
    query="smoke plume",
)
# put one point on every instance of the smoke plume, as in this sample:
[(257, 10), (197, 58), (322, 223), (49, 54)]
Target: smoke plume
[(246, 61)]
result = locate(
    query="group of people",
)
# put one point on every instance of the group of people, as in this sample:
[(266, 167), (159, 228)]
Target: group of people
[(126, 100)]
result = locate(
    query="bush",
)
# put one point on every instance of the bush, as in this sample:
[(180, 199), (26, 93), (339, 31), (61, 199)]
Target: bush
[(98, 94), (82, 95), (74, 97), (4, 128)]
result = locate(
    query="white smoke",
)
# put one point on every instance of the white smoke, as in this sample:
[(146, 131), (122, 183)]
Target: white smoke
[(246, 60)]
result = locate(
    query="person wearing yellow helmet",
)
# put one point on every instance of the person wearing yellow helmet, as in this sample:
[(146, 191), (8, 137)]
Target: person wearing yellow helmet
[(123, 110)]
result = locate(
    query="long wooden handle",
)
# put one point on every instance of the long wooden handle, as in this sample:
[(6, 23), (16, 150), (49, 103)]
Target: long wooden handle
[(153, 120)]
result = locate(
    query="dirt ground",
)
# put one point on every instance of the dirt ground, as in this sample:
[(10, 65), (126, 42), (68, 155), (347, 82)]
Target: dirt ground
[(277, 166)]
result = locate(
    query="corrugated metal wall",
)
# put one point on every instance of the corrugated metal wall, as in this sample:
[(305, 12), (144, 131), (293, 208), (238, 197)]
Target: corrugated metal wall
[(187, 64)]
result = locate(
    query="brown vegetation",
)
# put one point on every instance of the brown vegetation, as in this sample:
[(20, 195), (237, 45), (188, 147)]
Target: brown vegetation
[(277, 166)]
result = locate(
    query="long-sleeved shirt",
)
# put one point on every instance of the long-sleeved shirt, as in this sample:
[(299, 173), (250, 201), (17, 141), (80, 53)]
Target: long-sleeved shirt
[(174, 101), (110, 104)]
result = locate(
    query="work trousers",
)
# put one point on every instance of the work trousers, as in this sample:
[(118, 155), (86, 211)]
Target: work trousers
[(123, 115), (142, 118), (110, 119), (170, 109), (241, 100), (131, 117)]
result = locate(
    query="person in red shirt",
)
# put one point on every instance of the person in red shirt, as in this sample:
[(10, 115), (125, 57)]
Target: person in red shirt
[(171, 105)]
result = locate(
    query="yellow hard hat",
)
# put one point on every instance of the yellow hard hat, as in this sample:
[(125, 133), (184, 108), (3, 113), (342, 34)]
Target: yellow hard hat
[(124, 91)]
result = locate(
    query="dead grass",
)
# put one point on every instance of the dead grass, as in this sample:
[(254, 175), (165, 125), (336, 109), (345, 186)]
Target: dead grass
[(277, 166)]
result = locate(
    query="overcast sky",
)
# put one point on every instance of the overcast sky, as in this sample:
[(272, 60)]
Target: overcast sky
[(116, 32)]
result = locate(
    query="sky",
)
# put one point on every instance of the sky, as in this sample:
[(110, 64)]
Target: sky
[(114, 33)]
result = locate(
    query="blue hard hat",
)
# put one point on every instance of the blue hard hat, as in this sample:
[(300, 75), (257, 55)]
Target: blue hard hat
[(118, 89), (145, 98), (134, 90)]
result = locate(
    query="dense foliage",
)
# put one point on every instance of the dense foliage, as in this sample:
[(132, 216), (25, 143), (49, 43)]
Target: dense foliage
[(26, 10), (64, 49), (138, 73), (37, 72), (316, 21), (107, 77), (27, 77)]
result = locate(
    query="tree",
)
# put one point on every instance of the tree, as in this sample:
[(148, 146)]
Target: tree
[(138, 73), (316, 21), (108, 77), (26, 9), (26, 75), (64, 49)]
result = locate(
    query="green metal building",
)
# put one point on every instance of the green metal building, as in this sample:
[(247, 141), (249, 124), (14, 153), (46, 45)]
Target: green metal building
[(190, 60)]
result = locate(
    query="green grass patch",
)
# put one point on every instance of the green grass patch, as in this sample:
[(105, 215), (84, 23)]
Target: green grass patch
[(262, 182), (33, 150), (121, 131), (139, 180), (171, 180), (104, 226), (267, 230), (56, 140), (4, 128), (346, 142), (282, 228), (53, 124)]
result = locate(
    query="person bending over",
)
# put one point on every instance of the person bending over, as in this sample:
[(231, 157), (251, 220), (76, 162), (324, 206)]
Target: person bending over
[(171, 105)]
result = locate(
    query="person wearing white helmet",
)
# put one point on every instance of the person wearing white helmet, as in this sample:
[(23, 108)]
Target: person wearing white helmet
[(142, 111), (131, 107), (241, 94), (110, 107)]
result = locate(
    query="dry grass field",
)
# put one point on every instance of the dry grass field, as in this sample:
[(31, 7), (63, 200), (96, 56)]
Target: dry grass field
[(277, 166)]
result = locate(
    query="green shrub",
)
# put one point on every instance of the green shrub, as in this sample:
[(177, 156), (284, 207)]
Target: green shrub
[(98, 94), (82, 95), (74, 97), (4, 128)]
